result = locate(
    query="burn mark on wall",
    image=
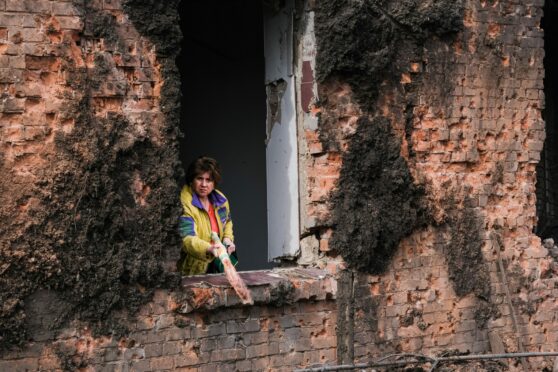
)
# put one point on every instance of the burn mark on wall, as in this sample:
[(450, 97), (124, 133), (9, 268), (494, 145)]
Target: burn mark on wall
[(367, 42), (466, 265), (371, 45), (376, 203), (87, 240)]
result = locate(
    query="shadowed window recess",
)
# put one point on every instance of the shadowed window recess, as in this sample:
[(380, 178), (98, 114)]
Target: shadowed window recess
[(547, 169), (224, 111)]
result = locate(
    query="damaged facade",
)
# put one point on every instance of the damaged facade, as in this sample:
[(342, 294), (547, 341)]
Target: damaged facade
[(413, 130)]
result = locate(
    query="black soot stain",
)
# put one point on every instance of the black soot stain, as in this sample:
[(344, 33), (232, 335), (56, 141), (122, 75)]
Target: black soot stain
[(369, 44), (376, 202), (91, 246)]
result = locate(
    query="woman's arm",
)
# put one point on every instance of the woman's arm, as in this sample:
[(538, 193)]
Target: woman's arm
[(191, 243)]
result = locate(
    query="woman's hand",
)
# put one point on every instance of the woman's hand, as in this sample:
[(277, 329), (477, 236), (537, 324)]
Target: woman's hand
[(230, 245), (213, 249)]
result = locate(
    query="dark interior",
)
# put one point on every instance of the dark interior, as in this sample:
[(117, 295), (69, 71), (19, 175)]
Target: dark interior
[(547, 169), (224, 110)]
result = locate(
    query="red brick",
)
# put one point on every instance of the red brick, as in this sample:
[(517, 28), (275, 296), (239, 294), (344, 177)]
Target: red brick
[(227, 354), (30, 35), (261, 350), (323, 342), (311, 357), (164, 321), (27, 364), (291, 359), (64, 9), (324, 245), (161, 363), (188, 360), (153, 350), (145, 323), (260, 364), (251, 325), (217, 367), (256, 338), (15, 61), (46, 63), (70, 23), (12, 105), (303, 344), (10, 19), (328, 355), (172, 347), (29, 6), (49, 362), (140, 366), (315, 147)]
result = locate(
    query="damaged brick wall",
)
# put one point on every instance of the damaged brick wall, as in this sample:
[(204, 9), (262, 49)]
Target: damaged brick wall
[(89, 118), (198, 326), (457, 89), (427, 136), (90, 209)]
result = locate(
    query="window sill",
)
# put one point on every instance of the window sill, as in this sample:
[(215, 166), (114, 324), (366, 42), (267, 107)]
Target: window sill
[(270, 287)]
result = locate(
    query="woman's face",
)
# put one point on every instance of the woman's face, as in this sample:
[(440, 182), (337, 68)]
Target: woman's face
[(203, 184)]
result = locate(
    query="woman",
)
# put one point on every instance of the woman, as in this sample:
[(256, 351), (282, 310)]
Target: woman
[(205, 209)]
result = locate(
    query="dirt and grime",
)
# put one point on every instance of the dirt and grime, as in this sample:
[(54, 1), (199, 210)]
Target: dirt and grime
[(378, 200), (346, 319), (369, 45), (90, 234), (466, 265), (376, 203), (96, 227)]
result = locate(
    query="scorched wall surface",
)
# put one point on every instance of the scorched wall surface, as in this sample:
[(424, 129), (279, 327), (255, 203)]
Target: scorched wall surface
[(89, 159), (419, 188), (422, 172)]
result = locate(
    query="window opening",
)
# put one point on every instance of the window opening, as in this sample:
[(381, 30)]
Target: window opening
[(547, 169), (224, 110)]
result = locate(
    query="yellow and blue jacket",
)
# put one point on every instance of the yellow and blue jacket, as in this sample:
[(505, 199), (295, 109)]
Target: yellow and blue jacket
[(195, 229)]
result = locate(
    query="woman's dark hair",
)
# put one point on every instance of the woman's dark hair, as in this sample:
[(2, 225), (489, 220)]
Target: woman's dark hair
[(201, 165)]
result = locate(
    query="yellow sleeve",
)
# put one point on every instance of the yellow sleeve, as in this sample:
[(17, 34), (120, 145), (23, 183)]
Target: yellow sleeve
[(191, 243), (196, 247)]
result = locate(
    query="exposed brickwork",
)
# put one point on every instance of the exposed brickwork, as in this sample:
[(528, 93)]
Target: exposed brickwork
[(475, 148), (467, 114), (169, 336), (80, 110), (323, 166)]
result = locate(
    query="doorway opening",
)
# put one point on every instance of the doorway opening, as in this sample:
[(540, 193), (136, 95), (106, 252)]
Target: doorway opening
[(547, 169), (224, 111)]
